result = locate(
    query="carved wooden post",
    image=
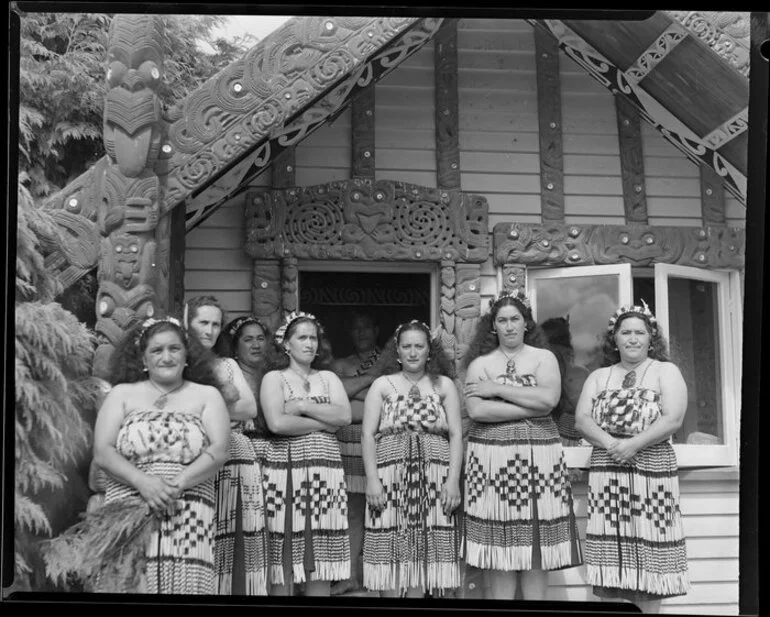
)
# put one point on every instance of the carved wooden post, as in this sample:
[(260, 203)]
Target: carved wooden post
[(133, 266), (631, 161)]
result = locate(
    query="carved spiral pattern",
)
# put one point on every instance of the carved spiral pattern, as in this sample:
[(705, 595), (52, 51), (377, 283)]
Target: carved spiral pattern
[(316, 223), (422, 224)]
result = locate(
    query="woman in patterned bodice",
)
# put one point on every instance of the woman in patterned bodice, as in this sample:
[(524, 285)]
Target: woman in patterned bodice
[(411, 439), (306, 502), (519, 515), (635, 546), (161, 435), (240, 537)]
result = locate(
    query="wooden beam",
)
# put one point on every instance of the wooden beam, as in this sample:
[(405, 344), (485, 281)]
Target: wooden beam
[(362, 133), (616, 81), (712, 194), (178, 237), (447, 107), (549, 127), (283, 169), (631, 161)]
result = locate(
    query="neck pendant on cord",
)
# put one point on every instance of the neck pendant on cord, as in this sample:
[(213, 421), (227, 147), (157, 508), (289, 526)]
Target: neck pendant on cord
[(414, 391), (510, 366), (161, 401)]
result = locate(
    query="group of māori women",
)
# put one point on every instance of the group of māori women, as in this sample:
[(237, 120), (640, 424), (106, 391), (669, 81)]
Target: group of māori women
[(241, 461)]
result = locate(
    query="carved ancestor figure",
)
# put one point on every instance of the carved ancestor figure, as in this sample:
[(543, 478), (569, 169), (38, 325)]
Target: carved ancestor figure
[(129, 211)]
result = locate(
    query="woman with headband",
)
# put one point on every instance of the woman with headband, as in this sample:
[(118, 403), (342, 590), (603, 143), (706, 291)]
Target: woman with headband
[(412, 449), (519, 516), (161, 436), (304, 405), (635, 546), (240, 537)]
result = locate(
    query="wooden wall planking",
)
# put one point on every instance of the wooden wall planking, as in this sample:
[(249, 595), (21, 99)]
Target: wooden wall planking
[(499, 155)]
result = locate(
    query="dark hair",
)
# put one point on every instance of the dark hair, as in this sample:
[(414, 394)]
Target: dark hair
[(438, 362), (232, 332), (658, 347), (278, 359), (556, 330), (485, 338), (126, 365), (364, 315), (191, 312)]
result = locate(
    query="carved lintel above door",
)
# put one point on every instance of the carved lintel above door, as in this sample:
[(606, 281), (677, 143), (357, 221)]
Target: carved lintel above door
[(370, 221), (364, 220)]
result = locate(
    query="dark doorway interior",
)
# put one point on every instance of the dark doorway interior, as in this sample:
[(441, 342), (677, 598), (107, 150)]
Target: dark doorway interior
[(391, 297)]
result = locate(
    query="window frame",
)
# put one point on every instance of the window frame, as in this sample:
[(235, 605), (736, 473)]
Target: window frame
[(730, 333), (729, 322)]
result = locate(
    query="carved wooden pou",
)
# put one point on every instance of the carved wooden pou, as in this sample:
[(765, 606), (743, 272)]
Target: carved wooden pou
[(132, 264)]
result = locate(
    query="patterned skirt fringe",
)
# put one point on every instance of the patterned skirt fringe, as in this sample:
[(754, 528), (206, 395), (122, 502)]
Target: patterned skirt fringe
[(519, 512), (180, 558), (241, 477), (309, 465), (411, 542), (349, 438), (635, 545)]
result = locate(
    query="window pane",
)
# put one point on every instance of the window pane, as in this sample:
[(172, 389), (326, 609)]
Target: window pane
[(694, 347), (588, 301), (574, 312)]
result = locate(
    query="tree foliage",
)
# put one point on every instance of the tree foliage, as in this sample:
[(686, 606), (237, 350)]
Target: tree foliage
[(55, 398), (62, 85)]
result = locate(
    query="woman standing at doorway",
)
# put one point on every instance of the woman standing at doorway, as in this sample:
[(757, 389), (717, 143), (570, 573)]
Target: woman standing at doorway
[(304, 405), (635, 546), (239, 541), (519, 516), (412, 450)]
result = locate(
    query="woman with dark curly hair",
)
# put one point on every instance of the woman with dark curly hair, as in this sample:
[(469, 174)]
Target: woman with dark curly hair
[(161, 436), (304, 405), (519, 516), (240, 538), (412, 449), (635, 545)]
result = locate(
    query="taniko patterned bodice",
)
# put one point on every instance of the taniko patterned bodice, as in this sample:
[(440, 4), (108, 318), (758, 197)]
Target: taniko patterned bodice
[(626, 411), (151, 436), (293, 396), (401, 412)]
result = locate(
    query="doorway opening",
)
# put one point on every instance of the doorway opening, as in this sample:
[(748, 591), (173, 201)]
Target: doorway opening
[(391, 296)]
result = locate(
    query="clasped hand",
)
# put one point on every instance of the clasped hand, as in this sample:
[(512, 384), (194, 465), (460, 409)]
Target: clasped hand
[(159, 494), (622, 450)]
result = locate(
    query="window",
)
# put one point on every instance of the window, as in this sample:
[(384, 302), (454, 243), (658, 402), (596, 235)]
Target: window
[(700, 315)]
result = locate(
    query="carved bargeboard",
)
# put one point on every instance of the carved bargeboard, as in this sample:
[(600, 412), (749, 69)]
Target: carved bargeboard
[(362, 220), (519, 245)]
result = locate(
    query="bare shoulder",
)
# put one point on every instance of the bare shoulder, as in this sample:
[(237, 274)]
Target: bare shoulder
[(542, 354), (203, 390), (668, 369)]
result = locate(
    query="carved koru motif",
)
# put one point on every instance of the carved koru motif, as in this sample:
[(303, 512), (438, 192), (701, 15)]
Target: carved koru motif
[(467, 305), (639, 245), (284, 73), (514, 277), (78, 253), (359, 219), (267, 292), (289, 284)]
